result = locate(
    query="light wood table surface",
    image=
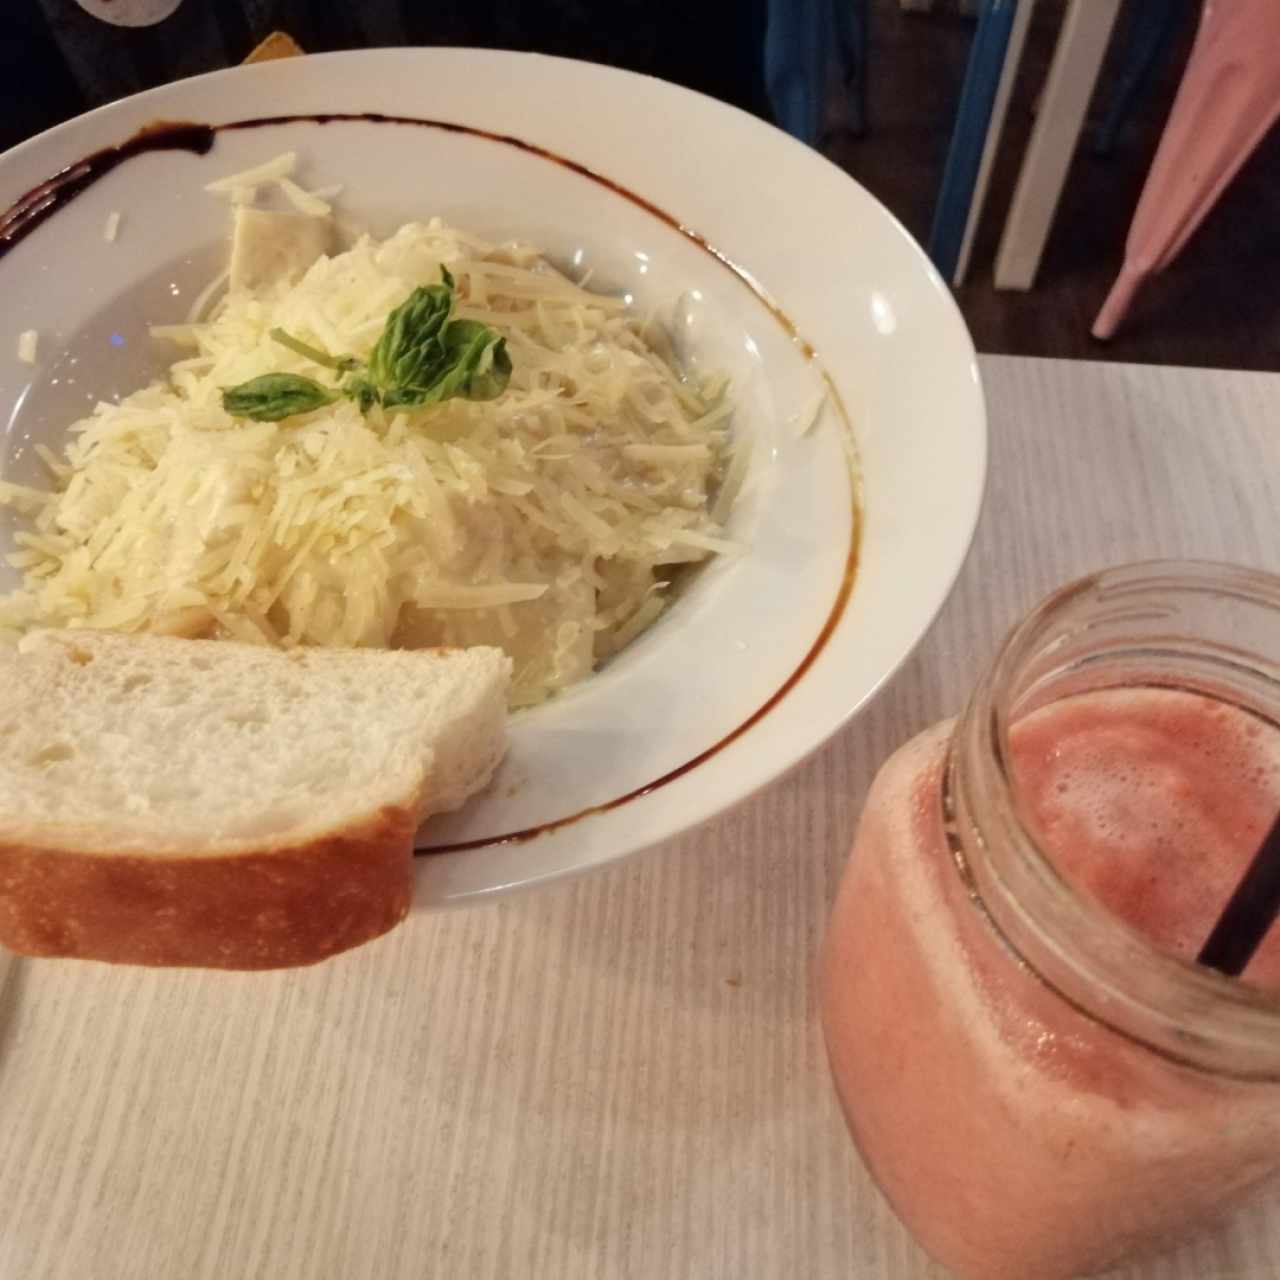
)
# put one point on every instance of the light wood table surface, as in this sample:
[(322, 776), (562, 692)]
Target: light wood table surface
[(622, 1076)]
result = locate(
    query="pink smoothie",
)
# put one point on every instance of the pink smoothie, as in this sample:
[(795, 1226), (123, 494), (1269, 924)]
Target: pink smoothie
[(1153, 802), (1015, 1136)]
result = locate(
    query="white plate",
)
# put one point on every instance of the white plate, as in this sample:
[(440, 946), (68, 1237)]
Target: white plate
[(767, 653)]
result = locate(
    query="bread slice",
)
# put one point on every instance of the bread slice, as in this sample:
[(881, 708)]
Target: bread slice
[(194, 802)]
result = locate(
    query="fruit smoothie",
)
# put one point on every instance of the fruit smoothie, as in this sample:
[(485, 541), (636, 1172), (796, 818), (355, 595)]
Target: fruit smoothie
[(1017, 1136)]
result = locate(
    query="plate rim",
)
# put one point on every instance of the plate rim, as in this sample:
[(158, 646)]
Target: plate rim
[(434, 867)]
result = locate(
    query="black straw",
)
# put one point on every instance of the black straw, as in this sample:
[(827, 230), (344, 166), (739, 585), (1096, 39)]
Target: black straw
[(1249, 915)]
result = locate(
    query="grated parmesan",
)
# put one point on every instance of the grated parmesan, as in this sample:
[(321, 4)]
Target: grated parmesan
[(547, 521), (281, 166), (304, 201)]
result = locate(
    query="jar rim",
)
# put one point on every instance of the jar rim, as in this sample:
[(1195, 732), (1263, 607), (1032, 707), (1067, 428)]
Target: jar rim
[(1104, 966)]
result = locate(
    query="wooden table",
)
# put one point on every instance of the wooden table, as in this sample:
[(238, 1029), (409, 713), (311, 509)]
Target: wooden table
[(622, 1076)]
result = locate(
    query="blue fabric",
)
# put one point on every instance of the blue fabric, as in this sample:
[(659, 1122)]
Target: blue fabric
[(1151, 27), (973, 118), (851, 24), (801, 38)]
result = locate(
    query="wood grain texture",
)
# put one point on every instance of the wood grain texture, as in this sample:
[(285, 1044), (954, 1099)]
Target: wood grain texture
[(621, 1076)]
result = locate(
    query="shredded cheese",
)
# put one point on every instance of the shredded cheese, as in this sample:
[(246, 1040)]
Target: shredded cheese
[(28, 341), (112, 227), (545, 521), (281, 166), (304, 201)]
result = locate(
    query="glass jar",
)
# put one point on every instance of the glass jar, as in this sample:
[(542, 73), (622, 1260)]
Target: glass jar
[(1036, 1072)]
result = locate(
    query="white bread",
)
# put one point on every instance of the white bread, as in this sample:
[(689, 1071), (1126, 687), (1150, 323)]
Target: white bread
[(190, 802)]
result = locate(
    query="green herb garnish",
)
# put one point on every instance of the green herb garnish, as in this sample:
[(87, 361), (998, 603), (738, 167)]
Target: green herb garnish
[(423, 356), (274, 396)]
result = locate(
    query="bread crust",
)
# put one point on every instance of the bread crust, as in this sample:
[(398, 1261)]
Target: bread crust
[(261, 909)]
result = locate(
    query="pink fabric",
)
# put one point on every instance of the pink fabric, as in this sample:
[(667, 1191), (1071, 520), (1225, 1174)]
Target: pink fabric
[(1228, 99)]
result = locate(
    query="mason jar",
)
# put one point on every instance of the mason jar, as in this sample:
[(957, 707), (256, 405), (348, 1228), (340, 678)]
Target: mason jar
[(1036, 1071)]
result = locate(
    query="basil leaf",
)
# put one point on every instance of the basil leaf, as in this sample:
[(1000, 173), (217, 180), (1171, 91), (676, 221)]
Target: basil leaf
[(362, 391), (480, 368), (411, 352), (477, 368), (274, 396), (423, 356)]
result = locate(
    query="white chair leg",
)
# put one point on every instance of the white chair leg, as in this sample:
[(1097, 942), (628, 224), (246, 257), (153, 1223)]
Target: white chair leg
[(1072, 77), (991, 147)]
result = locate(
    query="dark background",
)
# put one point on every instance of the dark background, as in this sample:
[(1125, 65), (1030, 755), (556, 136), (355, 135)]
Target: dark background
[(56, 60), (1218, 305)]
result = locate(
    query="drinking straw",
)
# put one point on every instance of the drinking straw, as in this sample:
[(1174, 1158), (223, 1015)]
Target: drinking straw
[(1249, 915)]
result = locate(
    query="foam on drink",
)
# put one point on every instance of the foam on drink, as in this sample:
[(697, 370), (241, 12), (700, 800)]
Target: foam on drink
[(1153, 801)]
